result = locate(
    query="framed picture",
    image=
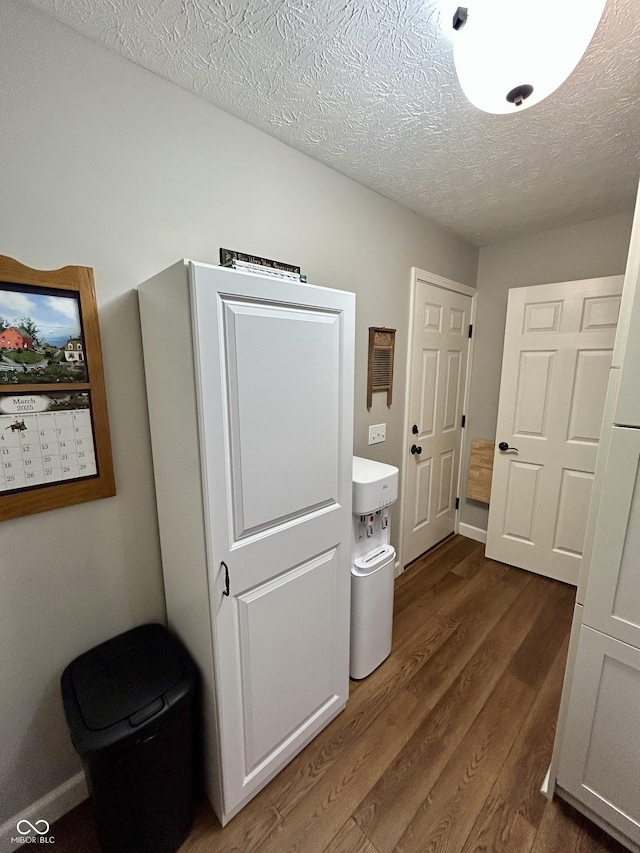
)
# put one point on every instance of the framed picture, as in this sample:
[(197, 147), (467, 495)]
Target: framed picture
[(55, 448)]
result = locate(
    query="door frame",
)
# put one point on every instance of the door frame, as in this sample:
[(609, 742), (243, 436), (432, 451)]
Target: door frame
[(419, 276)]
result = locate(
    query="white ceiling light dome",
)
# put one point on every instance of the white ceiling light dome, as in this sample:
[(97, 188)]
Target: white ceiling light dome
[(511, 54)]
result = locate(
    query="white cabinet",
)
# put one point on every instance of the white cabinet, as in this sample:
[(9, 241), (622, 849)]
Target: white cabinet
[(612, 600), (628, 408), (600, 763), (597, 748), (250, 389), (626, 353)]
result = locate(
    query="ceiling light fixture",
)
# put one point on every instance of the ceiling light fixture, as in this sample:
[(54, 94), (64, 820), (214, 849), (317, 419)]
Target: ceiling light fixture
[(512, 54)]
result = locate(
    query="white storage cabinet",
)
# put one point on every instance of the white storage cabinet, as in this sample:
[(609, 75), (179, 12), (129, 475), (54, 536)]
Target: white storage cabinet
[(250, 389), (597, 749)]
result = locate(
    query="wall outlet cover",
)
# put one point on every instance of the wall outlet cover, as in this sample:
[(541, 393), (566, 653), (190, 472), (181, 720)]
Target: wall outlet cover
[(377, 433)]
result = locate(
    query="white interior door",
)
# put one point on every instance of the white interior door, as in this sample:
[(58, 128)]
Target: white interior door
[(557, 355), (437, 380), (275, 364)]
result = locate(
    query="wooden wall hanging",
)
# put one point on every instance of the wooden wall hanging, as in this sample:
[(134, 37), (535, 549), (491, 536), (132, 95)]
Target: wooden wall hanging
[(480, 470), (55, 448), (381, 352)]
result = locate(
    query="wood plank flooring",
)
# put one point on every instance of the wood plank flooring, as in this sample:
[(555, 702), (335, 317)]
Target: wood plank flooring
[(443, 749)]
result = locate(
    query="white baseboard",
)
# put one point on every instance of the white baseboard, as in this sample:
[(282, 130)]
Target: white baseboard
[(547, 787), (472, 532), (49, 808)]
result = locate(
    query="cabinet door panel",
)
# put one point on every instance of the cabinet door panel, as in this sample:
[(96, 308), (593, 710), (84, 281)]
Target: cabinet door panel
[(274, 371), (612, 601), (600, 758), (627, 349)]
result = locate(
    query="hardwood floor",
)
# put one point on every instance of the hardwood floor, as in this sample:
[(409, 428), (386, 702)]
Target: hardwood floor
[(443, 749)]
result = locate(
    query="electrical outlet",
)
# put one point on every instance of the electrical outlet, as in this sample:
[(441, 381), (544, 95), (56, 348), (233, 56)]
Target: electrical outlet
[(377, 433)]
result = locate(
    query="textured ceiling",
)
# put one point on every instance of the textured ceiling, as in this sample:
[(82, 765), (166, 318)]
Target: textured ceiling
[(369, 88)]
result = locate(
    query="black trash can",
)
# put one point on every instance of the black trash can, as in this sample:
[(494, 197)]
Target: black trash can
[(130, 706)]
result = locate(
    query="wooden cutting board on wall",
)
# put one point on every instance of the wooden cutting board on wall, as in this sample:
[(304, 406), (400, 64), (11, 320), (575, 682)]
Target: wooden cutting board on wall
[(480, 470)]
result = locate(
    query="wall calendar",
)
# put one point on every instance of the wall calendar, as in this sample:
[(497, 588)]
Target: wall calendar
[(45, 441), (54, 434)]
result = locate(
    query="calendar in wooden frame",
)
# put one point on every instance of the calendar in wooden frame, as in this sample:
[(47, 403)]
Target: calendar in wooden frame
[(55, 448)]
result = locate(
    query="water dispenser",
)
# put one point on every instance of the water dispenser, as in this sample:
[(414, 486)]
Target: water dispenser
[(375, 488)]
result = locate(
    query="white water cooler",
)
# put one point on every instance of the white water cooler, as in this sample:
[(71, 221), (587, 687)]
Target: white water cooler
[(375, 488)]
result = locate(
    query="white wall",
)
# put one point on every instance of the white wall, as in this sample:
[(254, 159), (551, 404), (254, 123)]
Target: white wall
[(106, 165), (588, 250)]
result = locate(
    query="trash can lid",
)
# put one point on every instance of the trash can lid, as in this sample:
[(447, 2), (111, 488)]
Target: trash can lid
[(117, 678)]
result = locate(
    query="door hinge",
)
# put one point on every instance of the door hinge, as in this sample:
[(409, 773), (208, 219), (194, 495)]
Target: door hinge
[(457, 503), (464, 420), (471, 330)]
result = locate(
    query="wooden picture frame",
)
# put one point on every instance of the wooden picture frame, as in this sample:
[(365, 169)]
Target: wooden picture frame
[(55, 447), (382, 343)]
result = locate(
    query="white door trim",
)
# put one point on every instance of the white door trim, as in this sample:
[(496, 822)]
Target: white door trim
[(417, 276)]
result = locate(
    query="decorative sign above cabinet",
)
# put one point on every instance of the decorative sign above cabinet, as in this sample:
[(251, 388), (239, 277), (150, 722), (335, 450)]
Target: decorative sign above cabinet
[(55, 448)]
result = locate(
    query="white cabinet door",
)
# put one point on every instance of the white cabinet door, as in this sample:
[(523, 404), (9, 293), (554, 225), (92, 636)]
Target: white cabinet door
[(600, 760), (627, 349), (612, 600), (274, 365), (557, 356)]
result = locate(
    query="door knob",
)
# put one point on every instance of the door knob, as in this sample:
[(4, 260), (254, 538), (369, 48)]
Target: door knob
[(415, 449), (504, 446), (414, 429)]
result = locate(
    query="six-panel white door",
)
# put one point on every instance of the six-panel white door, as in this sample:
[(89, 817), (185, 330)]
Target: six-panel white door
[(438, 370), (557, 355), (275, 370)]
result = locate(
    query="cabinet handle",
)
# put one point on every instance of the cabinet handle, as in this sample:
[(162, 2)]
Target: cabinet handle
[(225, 591)]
